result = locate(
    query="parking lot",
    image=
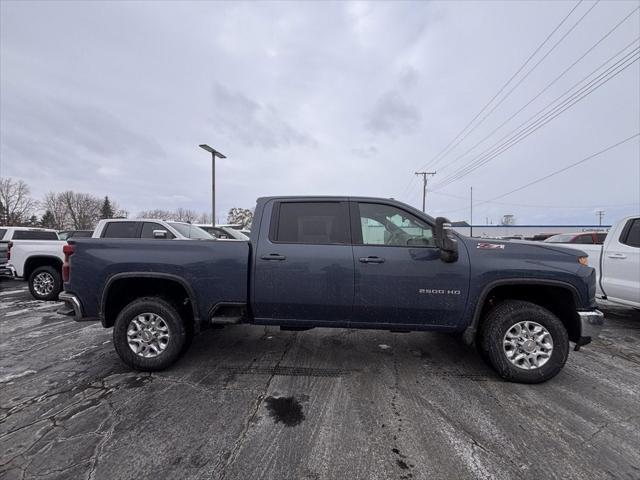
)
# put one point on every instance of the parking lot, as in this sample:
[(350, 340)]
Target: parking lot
[(252, 402)]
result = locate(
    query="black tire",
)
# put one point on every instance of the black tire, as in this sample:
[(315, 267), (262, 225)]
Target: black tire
[(51, 274), (501, 319), (177, 334)]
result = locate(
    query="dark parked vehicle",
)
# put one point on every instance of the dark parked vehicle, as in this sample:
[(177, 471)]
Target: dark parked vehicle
[(585, 238), (339, 262), (67, 234)]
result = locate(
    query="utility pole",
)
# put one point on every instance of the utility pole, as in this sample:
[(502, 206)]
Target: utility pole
[(424, 185), (600, 214), (471, 221)]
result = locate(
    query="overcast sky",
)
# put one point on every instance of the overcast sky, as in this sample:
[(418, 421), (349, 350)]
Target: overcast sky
[(113, 98)]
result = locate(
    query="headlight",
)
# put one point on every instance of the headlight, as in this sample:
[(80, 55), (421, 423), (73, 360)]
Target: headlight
[(584, 261)]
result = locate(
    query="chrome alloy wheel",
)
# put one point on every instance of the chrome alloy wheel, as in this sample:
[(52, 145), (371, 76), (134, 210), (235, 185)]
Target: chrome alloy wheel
[(43, 284), (148, 335), (528, 345)]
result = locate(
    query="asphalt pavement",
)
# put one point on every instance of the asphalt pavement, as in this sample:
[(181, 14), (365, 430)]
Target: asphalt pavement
[(249, 402)]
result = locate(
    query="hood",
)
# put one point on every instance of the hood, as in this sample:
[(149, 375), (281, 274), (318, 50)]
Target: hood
[(520, 246)]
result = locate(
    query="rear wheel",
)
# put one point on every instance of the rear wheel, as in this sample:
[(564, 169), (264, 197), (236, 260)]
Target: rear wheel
[(149, 334), (45, 283), (524, 342)]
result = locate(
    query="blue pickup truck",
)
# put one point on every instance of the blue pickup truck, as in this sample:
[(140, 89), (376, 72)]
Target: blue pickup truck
[(339, 262)]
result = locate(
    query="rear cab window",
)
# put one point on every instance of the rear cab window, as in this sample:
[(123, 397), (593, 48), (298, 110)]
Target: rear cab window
[(3, 232), (121, 230), (314, 223), (34, 235)]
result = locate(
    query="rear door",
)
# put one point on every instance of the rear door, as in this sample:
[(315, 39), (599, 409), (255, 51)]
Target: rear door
[(400, 278), (304, 263), (621, 264)]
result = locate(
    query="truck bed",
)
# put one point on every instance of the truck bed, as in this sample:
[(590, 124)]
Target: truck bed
[(215, 271)]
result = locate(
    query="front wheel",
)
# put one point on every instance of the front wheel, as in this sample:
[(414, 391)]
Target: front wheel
[(45, 283), (149, 334), (524, 342)]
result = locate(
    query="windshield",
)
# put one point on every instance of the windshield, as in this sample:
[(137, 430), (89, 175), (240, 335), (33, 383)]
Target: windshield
[(190, 231), (562, 238)]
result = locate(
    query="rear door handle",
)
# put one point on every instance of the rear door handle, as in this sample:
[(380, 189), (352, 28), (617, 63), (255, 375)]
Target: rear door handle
[(371, 259), (273, 256), (617, 255)]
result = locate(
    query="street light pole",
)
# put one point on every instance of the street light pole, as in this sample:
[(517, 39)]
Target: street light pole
[(214, 153)]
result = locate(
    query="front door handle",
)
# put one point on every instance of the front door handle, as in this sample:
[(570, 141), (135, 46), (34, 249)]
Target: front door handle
[(273, 256), (617, 255), (371, 259)]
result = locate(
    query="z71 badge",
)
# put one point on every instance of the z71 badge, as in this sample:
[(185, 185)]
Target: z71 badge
[(491, 246)]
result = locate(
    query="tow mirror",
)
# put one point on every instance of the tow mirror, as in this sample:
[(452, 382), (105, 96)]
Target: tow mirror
[(445, 241), (159, 234)]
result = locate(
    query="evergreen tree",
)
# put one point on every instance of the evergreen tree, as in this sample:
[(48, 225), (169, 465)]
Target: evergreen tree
[(48, 220), (107, 209)]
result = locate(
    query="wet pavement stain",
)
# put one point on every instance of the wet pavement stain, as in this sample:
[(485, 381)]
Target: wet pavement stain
[(286, 410)]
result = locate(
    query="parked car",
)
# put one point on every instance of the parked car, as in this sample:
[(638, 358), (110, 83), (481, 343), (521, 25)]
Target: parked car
[(66, 234), (223, 232), (148, 228), (34, 255), (346, 263), (583, 238), (617, 263)]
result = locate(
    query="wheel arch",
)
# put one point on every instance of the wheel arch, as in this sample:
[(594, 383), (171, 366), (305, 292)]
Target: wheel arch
[(37, 261), (561, 298), (122, 288)]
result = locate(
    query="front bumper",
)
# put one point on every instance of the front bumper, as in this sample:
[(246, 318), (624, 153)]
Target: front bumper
[(591, 323), (73, 306)]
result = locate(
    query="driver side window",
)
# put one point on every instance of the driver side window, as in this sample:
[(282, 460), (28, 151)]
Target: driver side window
[(387, 225)]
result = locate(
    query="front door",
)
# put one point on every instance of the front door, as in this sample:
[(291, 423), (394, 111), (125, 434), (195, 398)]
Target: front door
[(400, 278), (304, 266)]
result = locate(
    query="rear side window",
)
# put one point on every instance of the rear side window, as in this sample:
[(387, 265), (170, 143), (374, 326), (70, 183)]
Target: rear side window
[(34, 235), (584, 239), (121, 230), (2, 232), (149, 227), (312, 223), (631, 233), (600, 238)]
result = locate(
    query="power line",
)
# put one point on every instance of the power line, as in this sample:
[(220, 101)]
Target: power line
[(526, 75), (532, 124), (564, 169), (450, 145), (528, 205), (549, 85)]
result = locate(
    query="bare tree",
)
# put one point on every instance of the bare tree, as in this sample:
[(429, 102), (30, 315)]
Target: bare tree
[(158, 214), (54, 203), (16, 201), (186, 215), (204, 218), (83, 209)]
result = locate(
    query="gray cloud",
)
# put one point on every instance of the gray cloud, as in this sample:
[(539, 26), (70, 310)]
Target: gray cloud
[(251, 123), (392, 115)]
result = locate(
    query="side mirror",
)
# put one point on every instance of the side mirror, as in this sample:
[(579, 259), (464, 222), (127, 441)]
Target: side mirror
[(160, 234), (444, 240)]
